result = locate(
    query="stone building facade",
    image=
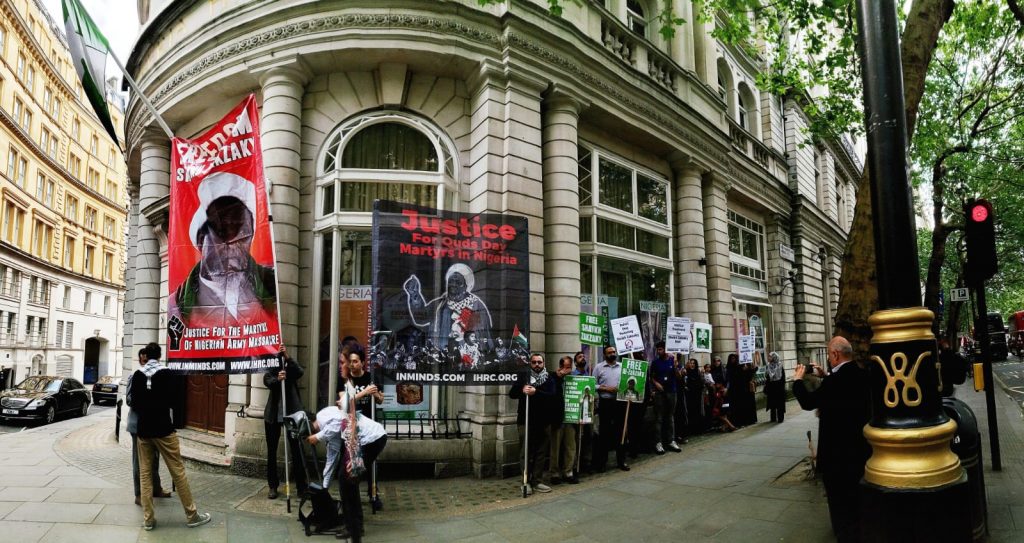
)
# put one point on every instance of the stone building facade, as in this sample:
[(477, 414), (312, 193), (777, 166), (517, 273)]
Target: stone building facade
[(62, 206), (650, 170)]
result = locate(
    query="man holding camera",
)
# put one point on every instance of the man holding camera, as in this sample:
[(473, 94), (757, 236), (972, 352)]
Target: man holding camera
[(843, 404)]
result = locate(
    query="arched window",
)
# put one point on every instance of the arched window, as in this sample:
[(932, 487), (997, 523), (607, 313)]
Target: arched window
[(636, 17), (385, 155), (741, 110)]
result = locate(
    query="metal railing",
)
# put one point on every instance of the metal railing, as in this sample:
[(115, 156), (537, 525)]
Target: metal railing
[(425, 426)]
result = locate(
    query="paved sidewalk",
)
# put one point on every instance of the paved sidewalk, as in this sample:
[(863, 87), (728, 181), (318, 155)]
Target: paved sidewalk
[(70, 482)]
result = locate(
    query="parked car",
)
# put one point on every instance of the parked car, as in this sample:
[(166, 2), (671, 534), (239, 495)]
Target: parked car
[(43, 397), (105, 390)]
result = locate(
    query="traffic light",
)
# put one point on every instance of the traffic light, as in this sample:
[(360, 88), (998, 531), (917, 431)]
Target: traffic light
[(979, 224)]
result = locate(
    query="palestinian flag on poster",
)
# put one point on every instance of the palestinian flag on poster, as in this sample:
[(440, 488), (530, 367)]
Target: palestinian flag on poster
[(89, 49), (519, 337)]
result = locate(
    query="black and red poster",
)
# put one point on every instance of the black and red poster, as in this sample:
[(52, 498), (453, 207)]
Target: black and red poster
[(222, 293), (451, 295)]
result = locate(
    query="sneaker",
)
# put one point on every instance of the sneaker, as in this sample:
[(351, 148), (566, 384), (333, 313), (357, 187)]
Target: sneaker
[(674, 447), (572, 479), (529, 490), (542, 488), (149, 527), (199, 520), (272, 494), (659, 449), (556, 480)]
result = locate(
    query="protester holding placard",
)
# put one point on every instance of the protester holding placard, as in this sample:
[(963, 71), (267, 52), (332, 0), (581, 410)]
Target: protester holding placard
[(664, 378), (740, 392), (586, 430), (695, 387), (633, 388), (563, 436), (775, 388), (539, 388), (610, 411)]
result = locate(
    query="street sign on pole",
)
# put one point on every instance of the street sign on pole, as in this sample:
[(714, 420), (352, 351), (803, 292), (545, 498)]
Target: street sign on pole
[(958, 295)]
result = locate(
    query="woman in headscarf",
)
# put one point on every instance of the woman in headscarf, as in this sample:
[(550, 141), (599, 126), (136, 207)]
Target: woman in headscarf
[(775, 388), (695, 386), (740, 392)]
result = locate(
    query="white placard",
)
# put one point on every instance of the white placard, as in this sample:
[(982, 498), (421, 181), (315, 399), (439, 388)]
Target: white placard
[(701, 337), (958, 295), (746, 348), (677, 337), (626, 331)]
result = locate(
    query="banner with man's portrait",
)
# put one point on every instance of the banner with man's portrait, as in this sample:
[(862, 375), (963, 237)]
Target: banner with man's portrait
[(451, 296), (222, 290)]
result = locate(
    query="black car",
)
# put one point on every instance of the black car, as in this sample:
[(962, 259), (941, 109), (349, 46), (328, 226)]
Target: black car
[(42, 398), (105, 390)]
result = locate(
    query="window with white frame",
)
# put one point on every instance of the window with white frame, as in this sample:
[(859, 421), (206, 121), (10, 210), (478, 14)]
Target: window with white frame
[(386, 155), (746, 251), (636, 17), (631, 211)]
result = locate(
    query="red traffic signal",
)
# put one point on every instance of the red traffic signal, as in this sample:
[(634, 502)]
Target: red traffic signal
[(979, 226)]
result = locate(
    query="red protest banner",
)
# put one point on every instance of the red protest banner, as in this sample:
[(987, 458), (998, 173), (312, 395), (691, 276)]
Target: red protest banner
[(222, 290)]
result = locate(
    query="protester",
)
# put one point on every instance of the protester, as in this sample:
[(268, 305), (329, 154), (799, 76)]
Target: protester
[(953, 368), (717, 372), (539, 388), (371, 438), (843, 404), (563, 435), (586, 431), (362, 381), (637, 435), (740, 387), (695, 392), (775, 388), (720, 409), (664, 380), (611, 412), (133, 430), (152, 396), (273, 419)]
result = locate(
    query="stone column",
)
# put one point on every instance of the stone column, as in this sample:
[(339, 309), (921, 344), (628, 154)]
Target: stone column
[(682, 42), (716, 246), (154, 190), (691, 278), (506, 177), (128, 358), (705, 49), (283, 85), (783, 289), (560, 117)]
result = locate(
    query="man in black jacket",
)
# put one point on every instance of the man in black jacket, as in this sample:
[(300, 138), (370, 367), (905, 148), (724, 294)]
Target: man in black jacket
[(843, 404), (273, 419), (152, 394), (541, 388)]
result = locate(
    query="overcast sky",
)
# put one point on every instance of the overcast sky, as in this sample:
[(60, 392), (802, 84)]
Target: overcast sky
[(120, 25)]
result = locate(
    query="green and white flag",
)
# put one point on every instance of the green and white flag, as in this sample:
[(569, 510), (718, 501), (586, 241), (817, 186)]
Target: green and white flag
[(89, 49)]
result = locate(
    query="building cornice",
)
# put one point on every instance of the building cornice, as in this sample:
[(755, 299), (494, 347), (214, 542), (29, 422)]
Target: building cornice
[(10, 249)]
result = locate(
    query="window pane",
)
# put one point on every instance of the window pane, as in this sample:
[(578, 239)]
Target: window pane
[(749, 245), (651, 244), (651, 199), (586, 186), (390, 146), (734, 239), (585, 230), (614, 233), (616, 186), (328, 193), (359, 196)]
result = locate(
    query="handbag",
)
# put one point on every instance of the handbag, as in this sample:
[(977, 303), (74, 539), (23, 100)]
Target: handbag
[(354, 465)]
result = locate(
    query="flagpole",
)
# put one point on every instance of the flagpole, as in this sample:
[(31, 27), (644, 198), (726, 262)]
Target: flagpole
[(142, 96)]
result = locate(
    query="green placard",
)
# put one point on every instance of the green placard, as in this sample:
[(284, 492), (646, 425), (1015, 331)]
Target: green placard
[(580, 393), (591, 329), (633, 381)]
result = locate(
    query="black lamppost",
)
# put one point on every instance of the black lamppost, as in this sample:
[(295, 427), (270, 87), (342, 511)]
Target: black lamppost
[(913, 481)]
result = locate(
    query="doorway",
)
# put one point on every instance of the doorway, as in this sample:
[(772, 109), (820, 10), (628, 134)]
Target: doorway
[(92, 361), (206, 400)]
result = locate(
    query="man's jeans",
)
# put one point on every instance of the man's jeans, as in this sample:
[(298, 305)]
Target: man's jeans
[(157, 487), (664, 417), (170, 450)]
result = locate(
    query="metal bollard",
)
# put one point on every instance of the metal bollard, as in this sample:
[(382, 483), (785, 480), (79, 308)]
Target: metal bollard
[(967, 445), (117, 421)]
